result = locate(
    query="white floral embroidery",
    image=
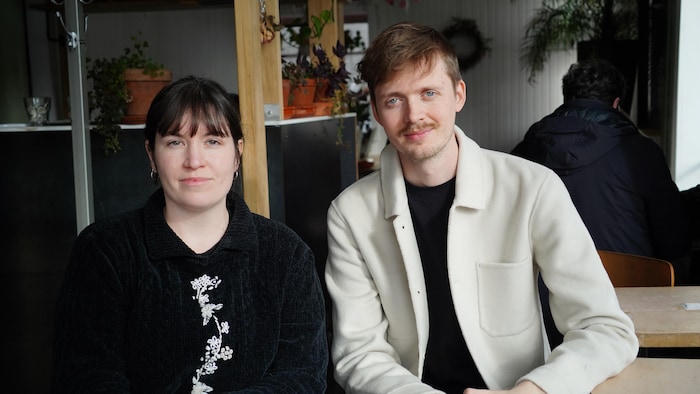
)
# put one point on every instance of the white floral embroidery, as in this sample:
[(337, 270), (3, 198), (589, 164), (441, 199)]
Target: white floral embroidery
[(214, 351)]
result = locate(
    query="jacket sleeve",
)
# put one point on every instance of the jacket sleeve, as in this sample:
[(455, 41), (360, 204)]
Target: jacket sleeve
[(89, 354), (300, 364), (599, 339), (364, 360), (668, 219)]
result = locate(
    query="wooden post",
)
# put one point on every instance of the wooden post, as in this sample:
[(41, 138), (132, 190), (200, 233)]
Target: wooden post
[(250, 89), (333, 31), (272, 63)]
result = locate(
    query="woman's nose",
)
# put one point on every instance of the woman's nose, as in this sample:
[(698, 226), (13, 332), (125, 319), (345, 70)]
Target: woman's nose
[(194, 157)]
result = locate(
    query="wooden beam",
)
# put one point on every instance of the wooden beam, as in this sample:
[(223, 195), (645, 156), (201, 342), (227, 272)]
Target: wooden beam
[(333, 31), (250, 90), (272, 63)]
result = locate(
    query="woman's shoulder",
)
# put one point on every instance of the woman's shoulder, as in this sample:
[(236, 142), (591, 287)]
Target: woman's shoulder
[(267, 227), (114, 227)]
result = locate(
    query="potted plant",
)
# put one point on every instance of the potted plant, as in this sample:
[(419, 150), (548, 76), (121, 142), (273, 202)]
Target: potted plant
[(116, 94), (298, 82), (564, 24), (331, 78), (331, 98), (299, 79)]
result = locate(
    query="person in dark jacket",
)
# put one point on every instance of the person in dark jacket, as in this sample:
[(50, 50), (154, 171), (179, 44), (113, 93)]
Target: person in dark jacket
[(192, 293), (618, 178)]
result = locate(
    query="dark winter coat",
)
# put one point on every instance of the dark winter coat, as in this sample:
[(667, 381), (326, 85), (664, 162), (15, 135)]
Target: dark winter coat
[(617, 177)]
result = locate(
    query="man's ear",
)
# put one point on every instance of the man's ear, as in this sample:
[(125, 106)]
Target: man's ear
[(616, 103)]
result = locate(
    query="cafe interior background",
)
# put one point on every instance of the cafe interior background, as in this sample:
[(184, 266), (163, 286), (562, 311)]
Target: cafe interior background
[(199, 37)]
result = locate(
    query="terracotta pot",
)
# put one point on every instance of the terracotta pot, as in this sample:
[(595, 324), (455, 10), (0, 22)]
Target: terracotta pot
[(285, 93), (142, 88), (301, 96), (322, 90), (323, 108)]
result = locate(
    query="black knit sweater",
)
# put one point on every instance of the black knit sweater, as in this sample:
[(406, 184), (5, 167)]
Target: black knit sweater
[(140, 312)]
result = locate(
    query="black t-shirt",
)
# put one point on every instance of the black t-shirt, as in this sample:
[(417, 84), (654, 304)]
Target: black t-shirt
[(448, 363)]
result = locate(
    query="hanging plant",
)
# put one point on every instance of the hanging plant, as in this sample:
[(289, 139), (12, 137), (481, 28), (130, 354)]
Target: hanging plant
[(559, 25), (268, 26), (109, 97)]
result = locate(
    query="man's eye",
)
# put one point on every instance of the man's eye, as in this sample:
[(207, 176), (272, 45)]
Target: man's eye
[(392, 101), (430, 93)]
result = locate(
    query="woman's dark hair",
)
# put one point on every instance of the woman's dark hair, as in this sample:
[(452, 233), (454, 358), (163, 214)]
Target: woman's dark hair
[(406, 44), (593, 79), (197, 101)]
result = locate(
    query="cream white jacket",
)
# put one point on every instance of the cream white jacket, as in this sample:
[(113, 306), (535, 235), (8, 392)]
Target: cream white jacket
[(510, 219)]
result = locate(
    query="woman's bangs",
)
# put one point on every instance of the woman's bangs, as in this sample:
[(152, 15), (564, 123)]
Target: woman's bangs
[(188, 119)]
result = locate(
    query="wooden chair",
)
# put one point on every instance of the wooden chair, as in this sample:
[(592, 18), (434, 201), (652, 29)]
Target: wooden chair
[(628, 270)]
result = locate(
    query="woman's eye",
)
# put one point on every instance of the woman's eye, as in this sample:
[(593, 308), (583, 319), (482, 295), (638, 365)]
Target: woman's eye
[(213, 142), (174, 142)]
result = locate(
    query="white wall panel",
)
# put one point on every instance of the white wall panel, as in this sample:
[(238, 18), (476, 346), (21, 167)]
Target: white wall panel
[(687, 151)]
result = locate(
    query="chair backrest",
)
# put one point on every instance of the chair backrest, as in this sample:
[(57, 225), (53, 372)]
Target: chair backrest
[(629, 270)]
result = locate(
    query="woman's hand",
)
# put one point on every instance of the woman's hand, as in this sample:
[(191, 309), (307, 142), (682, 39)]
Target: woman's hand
[(524, 387)]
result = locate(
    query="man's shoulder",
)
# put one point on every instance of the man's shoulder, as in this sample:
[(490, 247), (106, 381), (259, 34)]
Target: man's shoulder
[(639, 149), (512, 163), (367, 185), (497, 160)]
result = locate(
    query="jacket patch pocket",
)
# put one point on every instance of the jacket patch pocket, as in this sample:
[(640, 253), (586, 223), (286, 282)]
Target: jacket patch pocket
[(507, 297)]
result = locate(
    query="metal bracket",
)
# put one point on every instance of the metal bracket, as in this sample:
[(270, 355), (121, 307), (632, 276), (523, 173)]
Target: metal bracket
[(72, 40), (272, 112)]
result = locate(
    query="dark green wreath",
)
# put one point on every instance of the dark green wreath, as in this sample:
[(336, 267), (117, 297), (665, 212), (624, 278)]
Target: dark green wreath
[(467, 41)]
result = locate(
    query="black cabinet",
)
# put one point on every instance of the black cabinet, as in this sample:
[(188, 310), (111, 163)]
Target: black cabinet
[(37, 212), (310, 161)]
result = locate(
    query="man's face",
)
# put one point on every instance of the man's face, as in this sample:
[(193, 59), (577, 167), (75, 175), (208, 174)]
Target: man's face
[(417, 107)]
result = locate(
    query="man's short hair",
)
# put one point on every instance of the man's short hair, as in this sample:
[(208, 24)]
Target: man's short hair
[(593, 79), (406, 45)]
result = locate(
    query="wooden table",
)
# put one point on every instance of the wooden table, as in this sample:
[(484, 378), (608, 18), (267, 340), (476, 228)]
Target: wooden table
[(655, 375), (659, 317)]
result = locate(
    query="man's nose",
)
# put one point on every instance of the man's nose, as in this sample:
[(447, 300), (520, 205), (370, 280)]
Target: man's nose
[(414, 110)]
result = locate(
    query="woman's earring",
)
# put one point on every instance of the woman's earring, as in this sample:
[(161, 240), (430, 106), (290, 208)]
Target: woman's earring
[(154, 174), (235, 175)]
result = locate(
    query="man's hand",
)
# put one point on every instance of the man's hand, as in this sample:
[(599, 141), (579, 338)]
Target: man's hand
[(524, 387)]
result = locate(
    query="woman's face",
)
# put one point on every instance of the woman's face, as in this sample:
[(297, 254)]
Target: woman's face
[(197, 171)]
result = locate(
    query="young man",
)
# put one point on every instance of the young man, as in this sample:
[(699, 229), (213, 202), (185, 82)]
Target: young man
[(433, 260), (617, 177)]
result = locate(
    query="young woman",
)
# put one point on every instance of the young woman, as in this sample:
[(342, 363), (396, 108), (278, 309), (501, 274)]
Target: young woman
[(193, 292)]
